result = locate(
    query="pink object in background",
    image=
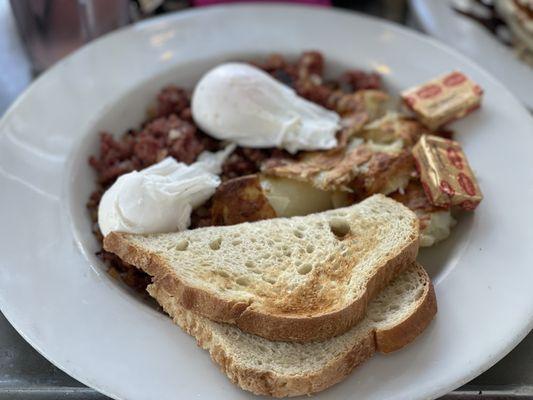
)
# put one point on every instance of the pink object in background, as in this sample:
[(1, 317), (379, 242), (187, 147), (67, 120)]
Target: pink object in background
[(311, 2)]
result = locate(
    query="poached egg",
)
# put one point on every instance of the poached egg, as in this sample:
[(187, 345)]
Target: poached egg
[(243, 104), (160, 198)]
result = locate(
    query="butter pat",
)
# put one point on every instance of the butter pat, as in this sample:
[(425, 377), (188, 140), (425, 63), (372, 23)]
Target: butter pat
[(445, 173), (444, 99)]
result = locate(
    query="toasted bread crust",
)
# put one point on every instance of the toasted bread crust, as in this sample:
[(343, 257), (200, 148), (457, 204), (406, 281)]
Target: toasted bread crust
[(269, 326), (271, 384), (191, 298), (404, 332), (264, 382), (325, 326)]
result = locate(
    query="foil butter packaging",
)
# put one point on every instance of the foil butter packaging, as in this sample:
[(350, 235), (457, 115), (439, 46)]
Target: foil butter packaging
[(443, 99), (445, 173)]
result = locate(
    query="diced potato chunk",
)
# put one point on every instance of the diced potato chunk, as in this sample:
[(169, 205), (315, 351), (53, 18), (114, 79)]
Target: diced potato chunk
[(289, 197)]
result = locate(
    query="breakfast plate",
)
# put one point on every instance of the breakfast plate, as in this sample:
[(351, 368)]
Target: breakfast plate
[(438, 18), (57, 294)]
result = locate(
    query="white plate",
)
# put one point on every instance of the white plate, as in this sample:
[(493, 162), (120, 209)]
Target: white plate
[(466, 35), (57, 295)]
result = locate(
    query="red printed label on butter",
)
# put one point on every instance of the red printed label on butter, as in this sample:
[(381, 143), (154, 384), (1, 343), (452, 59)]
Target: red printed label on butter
[(467, 184), (454, 79), (429, 91), (455, 157), (447, 188)]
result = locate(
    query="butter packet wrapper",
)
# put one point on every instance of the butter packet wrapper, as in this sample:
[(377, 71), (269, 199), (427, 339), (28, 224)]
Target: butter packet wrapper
[(443, 99), (445, 174)]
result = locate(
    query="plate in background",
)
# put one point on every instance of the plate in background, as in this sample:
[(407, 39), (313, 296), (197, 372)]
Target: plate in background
[(437, 18)]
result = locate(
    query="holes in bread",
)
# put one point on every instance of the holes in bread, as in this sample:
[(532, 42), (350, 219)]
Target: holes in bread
[(236, 242), (242, 281), (310, 248), (249, 264), (339, 227), (215, 244), (298, 234), (269, 279), (305, 269), (182, 245), (221, 273)]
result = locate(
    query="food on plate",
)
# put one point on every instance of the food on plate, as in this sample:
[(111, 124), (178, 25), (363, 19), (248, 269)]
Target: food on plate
[(373, 153), (298, 279), (277, 215), (291, 198), (394, 319), (160, 198), (241, 200), (371, 102), (159, 137), (394, 130), (241, 103), (362, 168), (435, 222), (170, 131), (443, 99), (357, 109), (255, 197), (445, 173)]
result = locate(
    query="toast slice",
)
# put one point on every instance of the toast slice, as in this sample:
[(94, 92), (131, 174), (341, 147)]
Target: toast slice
[(295, 279), (395, 318)]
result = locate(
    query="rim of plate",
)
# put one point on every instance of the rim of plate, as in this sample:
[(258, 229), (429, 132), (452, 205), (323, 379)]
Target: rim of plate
[(191, 15)]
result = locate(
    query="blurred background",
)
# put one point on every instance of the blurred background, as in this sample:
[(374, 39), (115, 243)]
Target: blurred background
[(35, 34)]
